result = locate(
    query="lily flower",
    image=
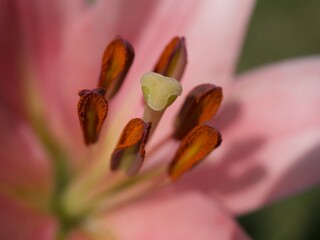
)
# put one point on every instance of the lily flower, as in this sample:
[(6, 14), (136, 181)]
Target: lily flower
[(105, 165)]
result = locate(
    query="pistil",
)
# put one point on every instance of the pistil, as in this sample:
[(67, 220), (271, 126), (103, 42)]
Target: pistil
[(159, 93)]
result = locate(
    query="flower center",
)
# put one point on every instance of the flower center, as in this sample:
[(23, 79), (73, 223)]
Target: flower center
[(96, 191)]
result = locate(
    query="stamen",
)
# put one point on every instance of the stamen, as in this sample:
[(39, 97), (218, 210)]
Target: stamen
[(159, 92), (92, 111), (116, 62), (201, 104), (173, 59), (129, 153), (193, 149)]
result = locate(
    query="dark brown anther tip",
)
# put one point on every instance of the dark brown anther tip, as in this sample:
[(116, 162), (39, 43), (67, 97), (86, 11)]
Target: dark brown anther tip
[(99, 90), (201, 104), (116, 62), (92, 111), (84, 92), (130, 150), (200, 142)]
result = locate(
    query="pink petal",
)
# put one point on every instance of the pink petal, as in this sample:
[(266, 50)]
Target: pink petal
[(10, 94), (173, 216), (271, 132), (17, 223), (214, 40), (29, 47), (213, 29), (23, 162), (66, 44)]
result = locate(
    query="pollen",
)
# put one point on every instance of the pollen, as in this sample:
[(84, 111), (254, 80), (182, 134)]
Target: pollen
[(193, 149), (130, 150), (92, 111)]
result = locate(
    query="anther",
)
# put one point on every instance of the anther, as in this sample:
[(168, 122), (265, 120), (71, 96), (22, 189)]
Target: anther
[(116, 62), (130, 150), (173, 59), (193, 149), (201, 104), (92, 111)]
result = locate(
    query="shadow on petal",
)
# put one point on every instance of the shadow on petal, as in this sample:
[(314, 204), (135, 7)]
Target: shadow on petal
[(233, 173), (228, 115)]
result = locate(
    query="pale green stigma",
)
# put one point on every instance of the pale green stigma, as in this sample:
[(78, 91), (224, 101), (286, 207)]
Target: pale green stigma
[(159, 91)]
